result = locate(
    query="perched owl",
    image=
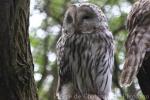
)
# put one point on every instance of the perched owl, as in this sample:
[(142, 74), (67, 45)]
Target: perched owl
[(85, 53), (137, 61)]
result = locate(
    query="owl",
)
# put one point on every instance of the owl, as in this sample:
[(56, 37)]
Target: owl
[(85, 53), (137, 60)]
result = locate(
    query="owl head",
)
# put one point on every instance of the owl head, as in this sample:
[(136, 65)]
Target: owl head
[(84, 18)]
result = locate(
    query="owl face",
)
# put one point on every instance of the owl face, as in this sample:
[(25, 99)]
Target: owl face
[(82, 19)]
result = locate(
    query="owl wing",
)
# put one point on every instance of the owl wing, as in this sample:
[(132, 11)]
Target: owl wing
[(65, 89), (62, 61), (138, 40)]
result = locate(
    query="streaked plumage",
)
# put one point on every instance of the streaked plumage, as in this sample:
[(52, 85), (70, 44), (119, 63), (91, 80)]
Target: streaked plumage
[(85, 54), (137, 45)]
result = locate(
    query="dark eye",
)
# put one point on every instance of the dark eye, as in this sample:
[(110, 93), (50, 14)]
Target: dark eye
[(86, 17), (69, 19)]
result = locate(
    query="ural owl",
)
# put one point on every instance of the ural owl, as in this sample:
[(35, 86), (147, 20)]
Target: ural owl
[(85, 54), (137, 60)]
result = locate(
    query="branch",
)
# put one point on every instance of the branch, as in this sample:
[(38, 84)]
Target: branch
[(45, 62)]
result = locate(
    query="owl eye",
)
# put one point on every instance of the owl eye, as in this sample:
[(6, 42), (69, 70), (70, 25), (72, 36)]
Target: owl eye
[(69, 19), (86, 17)]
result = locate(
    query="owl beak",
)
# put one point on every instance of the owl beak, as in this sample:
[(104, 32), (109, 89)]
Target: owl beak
[(77, 30), (74, 12), (77, 26)]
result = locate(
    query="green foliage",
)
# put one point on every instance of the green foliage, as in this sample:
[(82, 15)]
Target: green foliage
[(55, 7)]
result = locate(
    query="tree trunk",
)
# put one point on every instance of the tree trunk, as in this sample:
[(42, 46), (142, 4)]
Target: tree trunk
[(144, 76), (16, 65)]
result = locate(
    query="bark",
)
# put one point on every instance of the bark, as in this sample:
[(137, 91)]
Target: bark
[(16, 65)]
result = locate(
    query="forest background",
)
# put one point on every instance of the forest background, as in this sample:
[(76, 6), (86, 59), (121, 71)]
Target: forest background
[(45, 26)]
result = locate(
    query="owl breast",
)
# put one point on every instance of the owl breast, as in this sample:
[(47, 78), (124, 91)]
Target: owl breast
[(88, 60)]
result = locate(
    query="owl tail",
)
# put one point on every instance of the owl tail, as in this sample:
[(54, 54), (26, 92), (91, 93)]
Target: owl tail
[(132, 64)]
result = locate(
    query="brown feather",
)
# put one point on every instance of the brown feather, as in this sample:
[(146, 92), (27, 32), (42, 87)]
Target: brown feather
[(138, 40)]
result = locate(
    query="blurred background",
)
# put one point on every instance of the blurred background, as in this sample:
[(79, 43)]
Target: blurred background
[(45, 24)]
